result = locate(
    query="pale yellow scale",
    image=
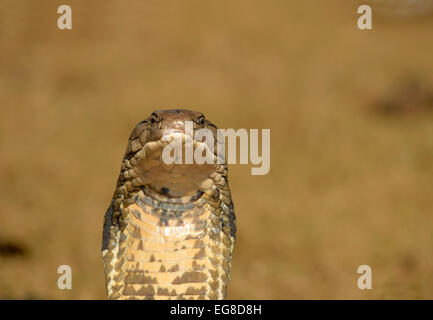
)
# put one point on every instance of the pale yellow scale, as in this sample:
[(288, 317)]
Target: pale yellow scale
[(164, 261)]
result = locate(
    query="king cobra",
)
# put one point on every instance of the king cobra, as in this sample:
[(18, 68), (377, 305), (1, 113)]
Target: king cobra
[(169, 231)]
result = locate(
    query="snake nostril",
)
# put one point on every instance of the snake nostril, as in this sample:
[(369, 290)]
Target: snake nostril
[(165, 190)]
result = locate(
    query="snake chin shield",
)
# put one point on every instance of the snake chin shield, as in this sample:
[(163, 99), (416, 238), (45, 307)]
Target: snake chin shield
[(169, 231)]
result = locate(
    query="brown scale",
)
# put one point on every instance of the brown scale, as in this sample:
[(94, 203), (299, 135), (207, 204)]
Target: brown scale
[(168, 233)]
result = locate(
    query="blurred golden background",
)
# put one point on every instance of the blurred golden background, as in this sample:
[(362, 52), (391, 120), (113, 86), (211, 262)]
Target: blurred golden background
[(350, 113)]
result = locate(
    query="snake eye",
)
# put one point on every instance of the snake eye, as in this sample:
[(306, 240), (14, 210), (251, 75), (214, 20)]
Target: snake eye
[(201, 121), (153, 118)]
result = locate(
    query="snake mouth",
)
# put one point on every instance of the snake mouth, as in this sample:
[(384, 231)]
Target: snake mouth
[(170, 173)]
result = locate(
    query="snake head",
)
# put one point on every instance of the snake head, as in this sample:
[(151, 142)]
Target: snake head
[(152, 141)]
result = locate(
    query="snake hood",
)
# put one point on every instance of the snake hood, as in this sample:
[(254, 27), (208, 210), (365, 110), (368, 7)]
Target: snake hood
[(170, 229)]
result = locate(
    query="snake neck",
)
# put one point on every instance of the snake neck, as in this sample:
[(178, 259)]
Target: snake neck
[(170, 248)]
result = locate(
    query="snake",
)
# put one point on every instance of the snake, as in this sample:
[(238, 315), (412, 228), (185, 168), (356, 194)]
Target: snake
[(170, 229)]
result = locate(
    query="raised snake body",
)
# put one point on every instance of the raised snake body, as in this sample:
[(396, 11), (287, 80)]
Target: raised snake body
[(170, 229)]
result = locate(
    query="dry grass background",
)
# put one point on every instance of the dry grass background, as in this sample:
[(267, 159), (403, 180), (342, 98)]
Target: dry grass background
[(348, 185)]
